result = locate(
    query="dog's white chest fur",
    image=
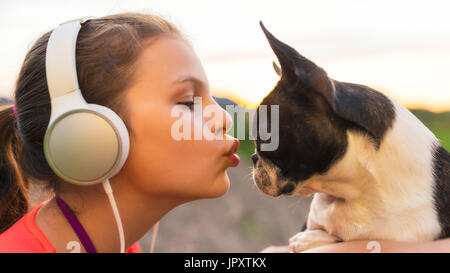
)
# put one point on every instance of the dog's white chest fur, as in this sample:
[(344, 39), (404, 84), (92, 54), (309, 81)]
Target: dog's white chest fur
[(379, 194)]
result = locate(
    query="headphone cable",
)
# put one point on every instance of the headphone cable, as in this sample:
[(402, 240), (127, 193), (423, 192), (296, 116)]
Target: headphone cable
[(154, 233), (108, 190), (112, 201)]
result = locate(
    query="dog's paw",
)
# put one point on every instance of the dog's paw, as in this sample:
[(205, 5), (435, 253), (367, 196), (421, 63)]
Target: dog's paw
[(311, 238)]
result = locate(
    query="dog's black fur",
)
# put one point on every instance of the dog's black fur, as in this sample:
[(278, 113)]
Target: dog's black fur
[(441, 166)]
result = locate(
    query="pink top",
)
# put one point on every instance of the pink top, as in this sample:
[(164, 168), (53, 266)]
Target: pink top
[(26, 236)]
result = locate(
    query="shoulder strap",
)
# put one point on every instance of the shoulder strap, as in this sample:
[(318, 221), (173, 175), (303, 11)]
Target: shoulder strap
[(76, 226)]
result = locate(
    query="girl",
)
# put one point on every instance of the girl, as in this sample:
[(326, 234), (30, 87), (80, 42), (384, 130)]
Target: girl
[(141, 67)]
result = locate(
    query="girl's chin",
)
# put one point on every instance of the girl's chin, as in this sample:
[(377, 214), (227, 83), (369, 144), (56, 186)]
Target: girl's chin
[(220, 186)]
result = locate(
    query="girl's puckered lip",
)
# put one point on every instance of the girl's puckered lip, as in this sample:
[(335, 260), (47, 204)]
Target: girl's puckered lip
[(232, 156), (234, 147)]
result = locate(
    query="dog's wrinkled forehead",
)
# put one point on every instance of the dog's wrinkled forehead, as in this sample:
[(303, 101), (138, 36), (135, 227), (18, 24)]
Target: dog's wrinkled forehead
[(314, 113)]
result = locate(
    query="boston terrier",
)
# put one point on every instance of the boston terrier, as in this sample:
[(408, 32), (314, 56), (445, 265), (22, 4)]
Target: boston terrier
[(375, 170)]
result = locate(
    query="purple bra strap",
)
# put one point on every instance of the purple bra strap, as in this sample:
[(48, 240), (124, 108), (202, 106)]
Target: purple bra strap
[(76, 226)]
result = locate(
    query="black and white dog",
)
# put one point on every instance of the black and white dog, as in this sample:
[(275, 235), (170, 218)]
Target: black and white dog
[(375, 170)]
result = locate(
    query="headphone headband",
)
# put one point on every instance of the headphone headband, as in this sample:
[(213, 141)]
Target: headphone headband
[(60, 58)]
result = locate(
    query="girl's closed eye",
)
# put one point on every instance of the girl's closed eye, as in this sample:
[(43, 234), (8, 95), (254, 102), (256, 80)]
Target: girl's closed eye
[(189, 104)]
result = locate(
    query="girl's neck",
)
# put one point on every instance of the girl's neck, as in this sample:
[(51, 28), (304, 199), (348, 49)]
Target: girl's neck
[(92, 208)]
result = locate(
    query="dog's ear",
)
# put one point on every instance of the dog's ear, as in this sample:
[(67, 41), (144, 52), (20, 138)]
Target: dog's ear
[(295, 67), (276, 68), (349, 102)]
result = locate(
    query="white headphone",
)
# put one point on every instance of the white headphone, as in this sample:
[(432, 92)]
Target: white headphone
[(84, 144)]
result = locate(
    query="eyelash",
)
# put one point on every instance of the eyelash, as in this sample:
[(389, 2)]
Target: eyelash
[(189, 104)]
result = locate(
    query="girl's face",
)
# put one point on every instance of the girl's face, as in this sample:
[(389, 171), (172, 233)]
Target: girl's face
[(169, 74)]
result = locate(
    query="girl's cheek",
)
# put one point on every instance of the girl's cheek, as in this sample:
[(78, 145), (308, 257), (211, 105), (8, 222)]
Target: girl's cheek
[(184, 125), (188, 135)]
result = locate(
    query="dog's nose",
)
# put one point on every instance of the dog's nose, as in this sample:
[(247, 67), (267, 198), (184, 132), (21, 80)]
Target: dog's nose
[(288, 188), (254, 158)]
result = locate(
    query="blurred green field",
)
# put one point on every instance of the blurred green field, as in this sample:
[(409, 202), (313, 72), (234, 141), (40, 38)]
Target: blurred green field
[(438, 123)]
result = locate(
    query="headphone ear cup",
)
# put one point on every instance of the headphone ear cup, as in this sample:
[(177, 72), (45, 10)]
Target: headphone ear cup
[(87, 146), (120, 128)]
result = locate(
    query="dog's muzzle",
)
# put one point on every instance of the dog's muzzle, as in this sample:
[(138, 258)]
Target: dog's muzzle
[(268, 179)]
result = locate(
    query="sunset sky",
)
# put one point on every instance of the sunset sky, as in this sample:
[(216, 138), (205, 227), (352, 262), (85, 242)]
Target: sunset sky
[(401, 48)]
